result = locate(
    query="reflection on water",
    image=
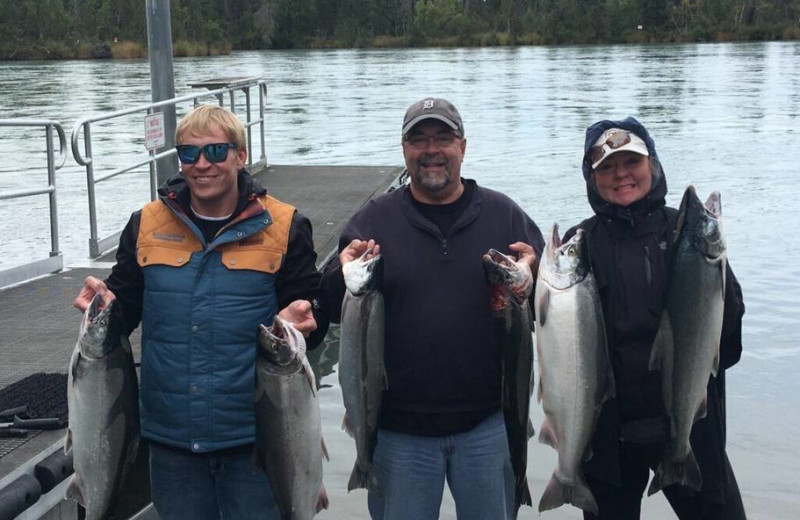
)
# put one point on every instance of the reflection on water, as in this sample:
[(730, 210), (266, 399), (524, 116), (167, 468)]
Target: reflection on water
[(724, 116)]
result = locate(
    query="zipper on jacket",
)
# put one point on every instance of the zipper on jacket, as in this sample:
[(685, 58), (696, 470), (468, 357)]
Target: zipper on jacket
[(648, 270)]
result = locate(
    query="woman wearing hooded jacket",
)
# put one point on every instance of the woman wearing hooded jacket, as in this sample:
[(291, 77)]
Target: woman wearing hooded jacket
[(629, 245)]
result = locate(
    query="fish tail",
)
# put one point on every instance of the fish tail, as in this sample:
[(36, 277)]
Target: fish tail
[(75, 491), (686, 473), (578, 494), (322, 499), (360, 479)]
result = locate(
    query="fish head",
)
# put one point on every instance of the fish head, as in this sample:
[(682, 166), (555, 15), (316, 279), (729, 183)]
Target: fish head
[(565, 263), (507, 276), (701, 224), (281, 346), (362, 275), (100, 328)]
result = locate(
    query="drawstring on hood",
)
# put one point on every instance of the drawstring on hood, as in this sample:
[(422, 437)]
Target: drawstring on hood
[(654, 199)]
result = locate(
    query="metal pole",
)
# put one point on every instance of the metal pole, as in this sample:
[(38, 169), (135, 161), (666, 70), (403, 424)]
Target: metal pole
[(51, 182), (162, 80)]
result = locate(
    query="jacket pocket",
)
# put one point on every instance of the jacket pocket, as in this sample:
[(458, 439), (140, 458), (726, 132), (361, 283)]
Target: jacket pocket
[(152, 254), (254, 258)]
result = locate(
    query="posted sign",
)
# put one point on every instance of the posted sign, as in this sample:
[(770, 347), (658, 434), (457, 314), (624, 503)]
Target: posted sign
[(154, 131)]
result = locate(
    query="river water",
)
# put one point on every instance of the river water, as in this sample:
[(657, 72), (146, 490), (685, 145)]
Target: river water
[(724, 117)]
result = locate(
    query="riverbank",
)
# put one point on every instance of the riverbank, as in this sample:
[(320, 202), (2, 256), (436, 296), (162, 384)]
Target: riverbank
[(85, 50), (81, 50)]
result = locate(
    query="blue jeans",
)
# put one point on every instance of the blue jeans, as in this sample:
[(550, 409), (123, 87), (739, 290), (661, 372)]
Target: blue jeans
[(412, 472), (209, 486)]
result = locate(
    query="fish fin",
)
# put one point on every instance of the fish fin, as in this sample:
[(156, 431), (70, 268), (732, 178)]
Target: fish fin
[(588, 454), (557, 494), (363, 480), (547, 435), (702, 410), (531, 429), (75, 490), (662, 343), (324, 450), (309, 372), (68, 441), (322, 499), (74, 366), (539, 391), (385, 380), (346, 426), (715, 362), (541, 309), (686, 473)]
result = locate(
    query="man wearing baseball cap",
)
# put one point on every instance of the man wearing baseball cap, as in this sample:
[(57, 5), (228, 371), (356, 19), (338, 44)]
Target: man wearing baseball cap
[(441, 416)]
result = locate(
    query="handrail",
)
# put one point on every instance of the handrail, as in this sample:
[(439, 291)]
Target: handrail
[(98, 246), (54, 262)]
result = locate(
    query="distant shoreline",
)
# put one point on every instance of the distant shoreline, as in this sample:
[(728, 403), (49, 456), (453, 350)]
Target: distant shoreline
[(82, 50)]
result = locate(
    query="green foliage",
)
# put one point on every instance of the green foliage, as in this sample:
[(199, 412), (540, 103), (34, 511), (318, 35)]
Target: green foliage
[(57, 29)]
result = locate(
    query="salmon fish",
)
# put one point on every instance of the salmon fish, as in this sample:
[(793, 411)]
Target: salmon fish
[(510, 285), (686, 347), (575, 374)]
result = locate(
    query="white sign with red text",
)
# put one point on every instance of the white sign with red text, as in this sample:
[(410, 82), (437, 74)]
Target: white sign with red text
[(154, 131)]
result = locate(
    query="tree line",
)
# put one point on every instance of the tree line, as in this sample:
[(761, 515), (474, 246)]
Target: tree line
[(203, 25)]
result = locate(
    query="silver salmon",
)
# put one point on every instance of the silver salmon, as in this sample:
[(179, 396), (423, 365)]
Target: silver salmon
[(686, 347), (510, 285), (362, 374), (575, 374), (289, 446), (103, 401)]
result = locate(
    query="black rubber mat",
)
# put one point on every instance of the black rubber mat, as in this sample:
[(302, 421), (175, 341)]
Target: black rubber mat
[(45, 396)]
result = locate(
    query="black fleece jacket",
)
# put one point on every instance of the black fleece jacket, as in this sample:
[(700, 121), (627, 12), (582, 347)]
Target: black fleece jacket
[(441, 357)]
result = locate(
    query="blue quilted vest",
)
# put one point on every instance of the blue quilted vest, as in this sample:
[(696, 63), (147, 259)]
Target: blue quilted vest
[(201, 309)]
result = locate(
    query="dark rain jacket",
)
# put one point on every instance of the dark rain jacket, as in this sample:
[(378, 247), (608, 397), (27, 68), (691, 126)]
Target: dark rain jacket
[(200, 305), (441, 356), (630, 250)]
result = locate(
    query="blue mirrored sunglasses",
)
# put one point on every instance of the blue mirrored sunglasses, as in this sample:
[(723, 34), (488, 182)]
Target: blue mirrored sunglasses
[(214, 152)]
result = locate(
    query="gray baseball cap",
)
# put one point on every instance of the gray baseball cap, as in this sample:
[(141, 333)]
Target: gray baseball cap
[(433, 108)]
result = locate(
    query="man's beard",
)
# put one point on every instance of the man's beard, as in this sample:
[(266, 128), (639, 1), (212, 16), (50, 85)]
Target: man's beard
[(432, 182)]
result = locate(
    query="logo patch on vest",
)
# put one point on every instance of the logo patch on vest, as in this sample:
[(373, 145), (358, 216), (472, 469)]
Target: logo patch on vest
[(169, 237)]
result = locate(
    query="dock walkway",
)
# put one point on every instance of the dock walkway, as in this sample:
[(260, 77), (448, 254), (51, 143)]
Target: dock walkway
[(39, 325)]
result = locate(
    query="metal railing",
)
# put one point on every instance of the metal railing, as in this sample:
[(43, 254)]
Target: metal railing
[(55, 261), (97, 245)]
